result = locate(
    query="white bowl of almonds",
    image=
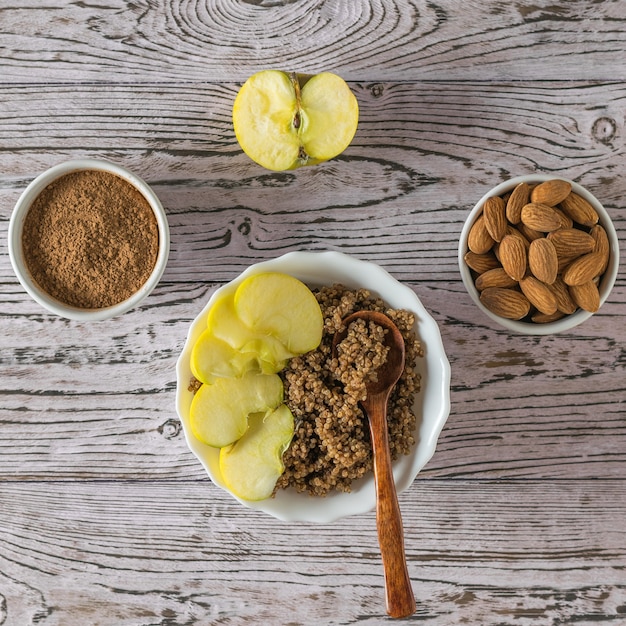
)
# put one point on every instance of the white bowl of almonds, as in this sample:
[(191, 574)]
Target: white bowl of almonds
[(538, 254)]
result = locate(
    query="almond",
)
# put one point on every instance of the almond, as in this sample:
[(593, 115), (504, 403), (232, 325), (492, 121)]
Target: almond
[(539, 295), (565, 260), (542, 318), (564, 301), (579, 210), (512, 230), (481, 262), (583, 269), (496, 277), (529, 233), (586, 296), (478, 239), (540, 217), (551, 192), (602, 246), (494, 211), (543, 261), (513, 256), (566, 220), (571, 242), (518, 198), (506, 303)]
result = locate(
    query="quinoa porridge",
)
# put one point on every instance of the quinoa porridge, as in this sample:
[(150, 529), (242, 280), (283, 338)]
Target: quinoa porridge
[(331, 444)]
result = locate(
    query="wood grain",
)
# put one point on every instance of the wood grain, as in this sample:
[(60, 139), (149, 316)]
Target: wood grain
[(415, 186), (106, 518), (113, 41), (181, 552), (105, 408)]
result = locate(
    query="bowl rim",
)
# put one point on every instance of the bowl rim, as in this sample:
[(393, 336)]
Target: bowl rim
[(16, 223), (433, 400), (570, 321)]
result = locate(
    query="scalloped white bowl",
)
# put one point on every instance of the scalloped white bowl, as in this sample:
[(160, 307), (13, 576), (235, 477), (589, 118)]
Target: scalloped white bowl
[(432, 404)]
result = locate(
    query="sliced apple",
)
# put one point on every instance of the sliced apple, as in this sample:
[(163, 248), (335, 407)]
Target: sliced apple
[(282, 306), (219, 411), (251, 466), (251, 332), (283, 121), (213, 358), (224, 322)]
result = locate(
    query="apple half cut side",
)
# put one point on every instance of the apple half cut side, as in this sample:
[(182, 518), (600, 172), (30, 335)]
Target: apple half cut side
[(286, 120)]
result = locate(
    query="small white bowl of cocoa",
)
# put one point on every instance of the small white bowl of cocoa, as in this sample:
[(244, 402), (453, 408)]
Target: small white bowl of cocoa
[(538, 254), (88, 239)]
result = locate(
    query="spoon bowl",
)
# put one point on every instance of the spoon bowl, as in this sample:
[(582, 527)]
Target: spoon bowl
[(399, 593)]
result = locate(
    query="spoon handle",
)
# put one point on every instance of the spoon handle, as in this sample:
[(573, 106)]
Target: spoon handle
[(399, 592)]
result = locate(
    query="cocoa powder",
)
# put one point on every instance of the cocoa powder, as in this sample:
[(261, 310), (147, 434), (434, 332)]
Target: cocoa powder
[(90, 239)]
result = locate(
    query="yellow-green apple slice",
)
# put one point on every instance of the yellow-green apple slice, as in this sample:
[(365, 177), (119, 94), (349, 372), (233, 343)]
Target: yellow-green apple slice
[(283, 121), (281, 306), (213, 358), (219, 411), (251, 466), (226, 325)]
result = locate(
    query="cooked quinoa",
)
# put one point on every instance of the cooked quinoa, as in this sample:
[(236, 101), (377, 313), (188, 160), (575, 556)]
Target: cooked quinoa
[(331, 444)]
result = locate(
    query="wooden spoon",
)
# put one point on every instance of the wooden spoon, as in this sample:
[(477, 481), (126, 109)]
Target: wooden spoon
[(399, 593)]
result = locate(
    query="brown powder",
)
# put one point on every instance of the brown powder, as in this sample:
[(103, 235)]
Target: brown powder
[(90, 239)]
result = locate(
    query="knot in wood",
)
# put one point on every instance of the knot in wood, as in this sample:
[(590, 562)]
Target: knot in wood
[(170, 429), (377, 90), (604, 129), (245, 227)]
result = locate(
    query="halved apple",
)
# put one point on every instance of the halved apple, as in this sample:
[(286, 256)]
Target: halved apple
[(219, 411), (286, 120), (251, 466)]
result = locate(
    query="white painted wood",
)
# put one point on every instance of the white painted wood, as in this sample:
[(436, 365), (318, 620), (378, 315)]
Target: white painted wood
[(180, 552), (105, 516), (203, 40)]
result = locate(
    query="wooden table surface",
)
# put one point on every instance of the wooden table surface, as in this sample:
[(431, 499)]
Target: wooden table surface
[(106, 518)]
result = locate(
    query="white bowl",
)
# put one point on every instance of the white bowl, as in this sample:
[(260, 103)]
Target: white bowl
[(432, 404), (569, 321), (16, 225)]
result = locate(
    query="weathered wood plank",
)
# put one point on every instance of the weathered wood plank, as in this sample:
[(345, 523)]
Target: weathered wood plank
[(105, 517), (227, 211), (117, 553), (114, 41), (178, 133), (78, 405)]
